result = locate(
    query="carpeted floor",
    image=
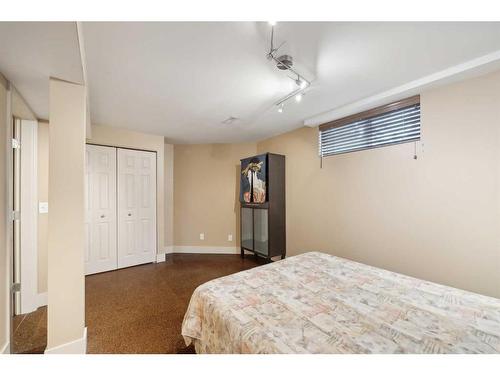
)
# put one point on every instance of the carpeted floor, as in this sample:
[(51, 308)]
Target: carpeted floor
[(140, 309), (137, 309), (30, 332)]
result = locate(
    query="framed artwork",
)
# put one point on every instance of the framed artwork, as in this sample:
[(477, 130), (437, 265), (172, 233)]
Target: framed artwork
[(253, 179)]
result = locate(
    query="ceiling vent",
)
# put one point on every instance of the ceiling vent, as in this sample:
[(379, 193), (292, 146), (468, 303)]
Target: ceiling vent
[(230, 120)]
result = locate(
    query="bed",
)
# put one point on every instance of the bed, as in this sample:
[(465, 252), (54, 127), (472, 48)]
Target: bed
[(319, 303)]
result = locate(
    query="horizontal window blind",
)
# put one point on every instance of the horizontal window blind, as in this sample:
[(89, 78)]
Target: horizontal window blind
[(386, 128)]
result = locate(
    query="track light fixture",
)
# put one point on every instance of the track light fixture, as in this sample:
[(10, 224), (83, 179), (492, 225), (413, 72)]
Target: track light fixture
[(301, 83), (285, 62)]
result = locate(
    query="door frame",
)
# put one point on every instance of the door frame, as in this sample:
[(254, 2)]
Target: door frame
[(9, 170)]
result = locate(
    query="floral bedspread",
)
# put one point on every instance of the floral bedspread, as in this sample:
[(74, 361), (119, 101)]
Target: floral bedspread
[(318, 303)]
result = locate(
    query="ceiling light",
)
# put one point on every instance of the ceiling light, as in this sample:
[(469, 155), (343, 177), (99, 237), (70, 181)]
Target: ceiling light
[(285, 62), (272, 23)]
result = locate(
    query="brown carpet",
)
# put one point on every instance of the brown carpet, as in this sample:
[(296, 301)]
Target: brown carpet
[(140, 309), (137, 309), (30, 332)]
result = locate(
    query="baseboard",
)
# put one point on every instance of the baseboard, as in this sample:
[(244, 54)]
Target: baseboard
[(42, 299), (168, 249), (5, 349), (206, 249), (160, 258), (78, 346)]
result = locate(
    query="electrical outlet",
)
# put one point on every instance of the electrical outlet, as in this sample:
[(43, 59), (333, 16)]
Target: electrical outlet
[(202, 236), (230, 237)]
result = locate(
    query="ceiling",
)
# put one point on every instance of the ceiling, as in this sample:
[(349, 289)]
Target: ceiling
[(183, 79), (31, 52)]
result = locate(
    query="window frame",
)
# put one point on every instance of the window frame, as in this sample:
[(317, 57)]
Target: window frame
[(366, 115)]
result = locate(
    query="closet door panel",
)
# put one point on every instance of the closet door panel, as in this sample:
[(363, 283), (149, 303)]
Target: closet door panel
[(136, 207), (100, 203)]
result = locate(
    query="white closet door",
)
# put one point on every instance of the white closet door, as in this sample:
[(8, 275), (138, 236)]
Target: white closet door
[(100, 213), (136, 207)]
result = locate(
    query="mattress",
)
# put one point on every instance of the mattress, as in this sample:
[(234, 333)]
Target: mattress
[(319, 303)]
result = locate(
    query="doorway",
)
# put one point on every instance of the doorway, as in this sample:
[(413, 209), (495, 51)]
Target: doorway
[(29, 315)]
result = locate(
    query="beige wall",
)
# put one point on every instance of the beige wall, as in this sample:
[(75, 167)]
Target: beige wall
[(20, 108), (169, 196), (4, 259), (206, 193), (436, 218), (65, 264), (110, 136), (43, 196)]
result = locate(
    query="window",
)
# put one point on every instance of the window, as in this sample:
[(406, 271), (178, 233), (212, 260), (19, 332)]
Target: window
[(391, 124)]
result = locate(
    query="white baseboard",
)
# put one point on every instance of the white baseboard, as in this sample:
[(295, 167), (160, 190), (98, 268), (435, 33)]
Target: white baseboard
[(6, 348), (160, 258), (168, 249), (206, 249), (33, 303), (78, 346), (41, 299)]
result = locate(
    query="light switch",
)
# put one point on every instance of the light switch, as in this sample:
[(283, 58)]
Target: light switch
[(202, 236), (229, 237), (43, 207)]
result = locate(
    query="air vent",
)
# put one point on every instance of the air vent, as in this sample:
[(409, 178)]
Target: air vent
[(230, 120)]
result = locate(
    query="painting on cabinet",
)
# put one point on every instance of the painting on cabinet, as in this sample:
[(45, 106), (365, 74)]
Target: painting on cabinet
[(253, 179)]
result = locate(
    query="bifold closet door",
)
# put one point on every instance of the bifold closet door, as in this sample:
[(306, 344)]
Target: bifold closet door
[(100, 209), (136, 207)]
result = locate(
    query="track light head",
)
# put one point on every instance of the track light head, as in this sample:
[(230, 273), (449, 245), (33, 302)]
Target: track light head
[(301, 83)]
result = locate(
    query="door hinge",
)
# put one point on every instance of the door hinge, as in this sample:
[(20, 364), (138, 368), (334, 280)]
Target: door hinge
[(16, 215), (16, 287), (15, 143)]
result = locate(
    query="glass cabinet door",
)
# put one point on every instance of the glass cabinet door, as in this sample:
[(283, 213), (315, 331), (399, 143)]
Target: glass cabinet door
[(260, 227), (247, 228)]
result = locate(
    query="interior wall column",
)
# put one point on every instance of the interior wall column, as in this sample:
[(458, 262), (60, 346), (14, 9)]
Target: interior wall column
[(66, 234)]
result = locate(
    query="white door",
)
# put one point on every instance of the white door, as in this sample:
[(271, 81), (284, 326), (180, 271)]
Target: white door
[(27, 258), (100, 209), (136, 207)]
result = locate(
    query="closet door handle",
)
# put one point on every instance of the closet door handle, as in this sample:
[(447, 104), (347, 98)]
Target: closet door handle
[(129, 214), (103, 216)]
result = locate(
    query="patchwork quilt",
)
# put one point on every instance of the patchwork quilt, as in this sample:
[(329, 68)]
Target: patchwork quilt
[(319, 303)]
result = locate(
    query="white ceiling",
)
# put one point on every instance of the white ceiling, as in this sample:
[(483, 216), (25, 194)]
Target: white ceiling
[(181, 80), (31, 52)]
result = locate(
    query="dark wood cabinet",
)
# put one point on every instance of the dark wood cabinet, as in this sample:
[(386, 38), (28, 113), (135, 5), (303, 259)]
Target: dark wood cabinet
[(263, 225)]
